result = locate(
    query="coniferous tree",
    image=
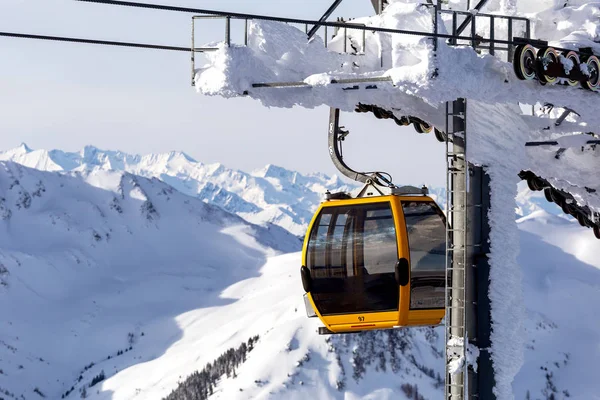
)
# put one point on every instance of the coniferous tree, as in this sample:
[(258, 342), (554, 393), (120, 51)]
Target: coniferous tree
[(200, 385)]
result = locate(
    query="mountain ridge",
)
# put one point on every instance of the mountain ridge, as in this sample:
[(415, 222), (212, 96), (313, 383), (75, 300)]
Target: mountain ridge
[(92, 259), (264, 196), (271, 194)]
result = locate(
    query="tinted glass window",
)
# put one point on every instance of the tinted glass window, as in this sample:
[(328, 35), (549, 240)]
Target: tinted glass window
[(380, 247), (337, 253), (352, 254), (426, 229), (318, 244)]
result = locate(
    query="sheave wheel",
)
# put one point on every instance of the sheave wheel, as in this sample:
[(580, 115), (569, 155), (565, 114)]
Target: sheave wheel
[(421, 127), (402, 121), (593, 67), (440, 136), (538, 184), (581, 219), (524, 62), (557, 197), (531, 184), (548, 195), (426, 128), (546, 57), (567, 208), (574, 58)]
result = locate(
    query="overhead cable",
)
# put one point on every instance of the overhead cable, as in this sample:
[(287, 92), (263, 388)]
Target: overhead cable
[(163, 7), (92, 41)]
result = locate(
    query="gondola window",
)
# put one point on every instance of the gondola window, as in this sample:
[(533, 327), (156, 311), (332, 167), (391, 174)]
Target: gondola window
[(352, 253), (426, 230)]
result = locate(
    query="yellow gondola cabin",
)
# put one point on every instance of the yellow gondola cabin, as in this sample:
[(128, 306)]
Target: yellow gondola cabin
[(375, 263)]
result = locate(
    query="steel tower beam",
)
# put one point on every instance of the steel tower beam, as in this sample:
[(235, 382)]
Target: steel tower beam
[(482, 382), (329, 11), (469, 18), (457, 251)]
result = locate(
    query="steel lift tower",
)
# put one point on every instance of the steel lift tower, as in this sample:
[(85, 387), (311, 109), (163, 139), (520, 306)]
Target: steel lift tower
[(469, 369), (468, 321), (468, 311)]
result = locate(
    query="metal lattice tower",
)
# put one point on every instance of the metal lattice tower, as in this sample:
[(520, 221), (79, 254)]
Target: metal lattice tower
[(457, 257), (468, 311)]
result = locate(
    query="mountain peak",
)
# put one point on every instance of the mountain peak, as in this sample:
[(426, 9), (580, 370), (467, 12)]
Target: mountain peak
[(275, 171), (19, 150), (181, 154), (24, 148), (89, 151)]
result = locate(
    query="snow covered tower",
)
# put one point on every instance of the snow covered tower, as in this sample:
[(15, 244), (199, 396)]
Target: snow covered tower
[(405, 68)]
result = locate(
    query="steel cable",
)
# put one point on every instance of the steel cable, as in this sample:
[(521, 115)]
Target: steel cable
[(92, 41)]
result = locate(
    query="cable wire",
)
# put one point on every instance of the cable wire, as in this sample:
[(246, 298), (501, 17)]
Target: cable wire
[(92, 41), (163, 7)]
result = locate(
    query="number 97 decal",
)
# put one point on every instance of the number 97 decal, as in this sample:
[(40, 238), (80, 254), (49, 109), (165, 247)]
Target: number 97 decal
[(361, 319)]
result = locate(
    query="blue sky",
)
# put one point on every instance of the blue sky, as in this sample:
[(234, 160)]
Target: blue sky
[(59, 95)]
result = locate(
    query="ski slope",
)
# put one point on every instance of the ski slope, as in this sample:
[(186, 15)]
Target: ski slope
[(562, 293)]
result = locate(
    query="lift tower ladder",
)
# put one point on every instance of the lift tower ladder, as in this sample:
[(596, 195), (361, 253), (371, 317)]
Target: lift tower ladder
[(457, 260)]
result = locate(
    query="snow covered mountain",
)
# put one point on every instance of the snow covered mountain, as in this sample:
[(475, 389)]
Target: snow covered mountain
[(120, 287), (290, 361), (268, 195), (95, 263), (561, 282)]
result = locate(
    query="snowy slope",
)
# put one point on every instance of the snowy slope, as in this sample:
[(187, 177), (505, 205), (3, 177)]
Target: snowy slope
[(271, 195), (561, 272), (290, 361), (90, 261), (85, 263)]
